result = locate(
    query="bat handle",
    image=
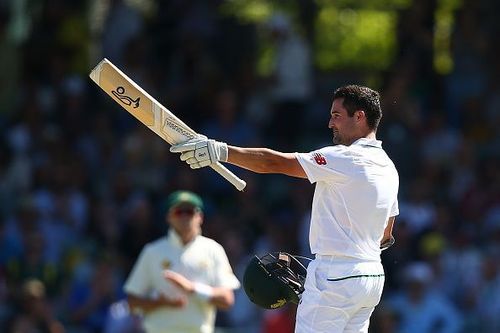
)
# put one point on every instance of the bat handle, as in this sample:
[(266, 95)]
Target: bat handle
[(230, 177)]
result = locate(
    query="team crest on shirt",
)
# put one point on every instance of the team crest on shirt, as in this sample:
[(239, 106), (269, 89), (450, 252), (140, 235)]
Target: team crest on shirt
[(166, 264), (203, 265), (319, 158)]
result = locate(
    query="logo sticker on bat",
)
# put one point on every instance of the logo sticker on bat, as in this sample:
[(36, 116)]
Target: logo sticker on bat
[(127, 100), (172, 125)]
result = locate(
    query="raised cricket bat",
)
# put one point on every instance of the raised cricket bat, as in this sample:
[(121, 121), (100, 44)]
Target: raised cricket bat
[(149, 111)]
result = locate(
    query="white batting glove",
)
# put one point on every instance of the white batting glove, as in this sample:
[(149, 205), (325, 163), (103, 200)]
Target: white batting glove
[(201, 151)]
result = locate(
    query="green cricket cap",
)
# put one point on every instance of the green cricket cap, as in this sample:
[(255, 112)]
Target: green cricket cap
[(183, 197)]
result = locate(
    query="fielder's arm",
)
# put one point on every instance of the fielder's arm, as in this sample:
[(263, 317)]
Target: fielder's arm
[(221, 297), (148, 304)]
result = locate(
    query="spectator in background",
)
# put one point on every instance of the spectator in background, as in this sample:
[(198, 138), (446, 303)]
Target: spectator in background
[(487, 301), (292, 52), (35, 312), (90, 296), (180, 280), (138, 229), (225, 121), (290, 89), (418, 209), (121, 320), (385, 320), (123, 23), (244, 316), (422, 309), (10, 62), (23, 221), (32, 264)]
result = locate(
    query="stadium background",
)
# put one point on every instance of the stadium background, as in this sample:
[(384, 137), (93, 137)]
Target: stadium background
[(82, 182)]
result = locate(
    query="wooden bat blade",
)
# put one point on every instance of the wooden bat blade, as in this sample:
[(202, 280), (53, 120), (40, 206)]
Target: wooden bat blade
[(149, 111), (140, 104)]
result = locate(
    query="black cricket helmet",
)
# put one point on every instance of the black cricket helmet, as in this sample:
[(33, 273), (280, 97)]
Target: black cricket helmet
[(275, 279)]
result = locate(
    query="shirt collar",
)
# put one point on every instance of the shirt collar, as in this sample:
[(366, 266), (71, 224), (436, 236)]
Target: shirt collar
[(368, 142), (174, 239)]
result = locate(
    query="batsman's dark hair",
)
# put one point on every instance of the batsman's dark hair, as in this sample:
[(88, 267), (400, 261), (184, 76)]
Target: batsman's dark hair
[(361, 98)]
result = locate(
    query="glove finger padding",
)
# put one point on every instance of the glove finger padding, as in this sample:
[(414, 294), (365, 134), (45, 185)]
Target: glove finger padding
[(204, 163), (183, 147), (191, 160), (188, 145), (195, 165), (199, 165), (187, 155)]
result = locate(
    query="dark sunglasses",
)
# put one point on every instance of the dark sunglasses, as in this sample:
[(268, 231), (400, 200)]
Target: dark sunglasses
[(179, 211)]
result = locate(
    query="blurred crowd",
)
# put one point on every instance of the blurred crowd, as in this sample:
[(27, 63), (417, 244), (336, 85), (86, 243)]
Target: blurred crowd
[(82, 183)]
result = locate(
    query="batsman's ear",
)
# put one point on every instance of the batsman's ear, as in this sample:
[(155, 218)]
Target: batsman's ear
[(360, 115)]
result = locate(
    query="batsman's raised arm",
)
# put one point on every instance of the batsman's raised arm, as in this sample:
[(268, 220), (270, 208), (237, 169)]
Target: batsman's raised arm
[(264, 160), (201, 152)]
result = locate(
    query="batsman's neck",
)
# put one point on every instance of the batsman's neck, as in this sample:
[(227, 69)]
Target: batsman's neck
[(370, 135)]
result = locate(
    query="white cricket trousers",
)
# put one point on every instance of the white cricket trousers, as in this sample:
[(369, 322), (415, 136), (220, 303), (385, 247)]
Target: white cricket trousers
[(340, 295)]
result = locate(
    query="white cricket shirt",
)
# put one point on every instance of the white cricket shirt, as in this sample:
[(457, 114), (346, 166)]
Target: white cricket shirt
[(356, 193), (202, 260)]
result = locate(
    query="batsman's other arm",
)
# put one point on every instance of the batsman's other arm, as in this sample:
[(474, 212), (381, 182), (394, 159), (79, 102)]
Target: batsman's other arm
[(388, 239)]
